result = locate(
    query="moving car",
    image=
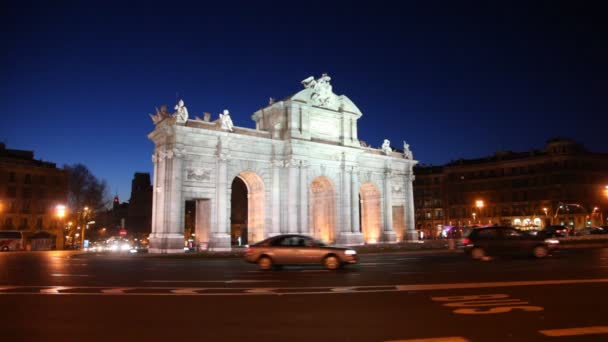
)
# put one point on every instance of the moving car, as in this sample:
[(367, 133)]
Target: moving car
[(556, 231), (293, 249), (503, 240), (589, 231)]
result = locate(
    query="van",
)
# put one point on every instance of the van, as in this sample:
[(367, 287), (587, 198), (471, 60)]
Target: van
[(11, 240)]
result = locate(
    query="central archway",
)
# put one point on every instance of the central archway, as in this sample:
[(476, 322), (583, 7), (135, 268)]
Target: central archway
[(249, 217), (323, 209), (371, 219)]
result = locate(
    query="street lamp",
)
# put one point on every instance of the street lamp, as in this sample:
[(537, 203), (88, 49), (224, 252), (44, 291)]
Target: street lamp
[(474, 215), (479, 204), (60, 212)]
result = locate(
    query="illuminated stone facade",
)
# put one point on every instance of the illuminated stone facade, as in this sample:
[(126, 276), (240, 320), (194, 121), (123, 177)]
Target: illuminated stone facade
[(304, 168)]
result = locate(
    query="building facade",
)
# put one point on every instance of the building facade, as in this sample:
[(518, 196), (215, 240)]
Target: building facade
[(561, 184), (139, 218), (303, 168), (30, 189)]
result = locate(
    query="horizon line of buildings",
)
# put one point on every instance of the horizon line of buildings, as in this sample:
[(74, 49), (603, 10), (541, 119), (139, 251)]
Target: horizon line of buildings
[(562, 184)]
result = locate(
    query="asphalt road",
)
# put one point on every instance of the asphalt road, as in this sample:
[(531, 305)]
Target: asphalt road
[(60, 296)]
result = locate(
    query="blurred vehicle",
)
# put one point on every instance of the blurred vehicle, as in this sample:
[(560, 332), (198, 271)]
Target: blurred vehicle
[(556, 231), (294, 249), (590, 231), (501, 240), (11, 240)]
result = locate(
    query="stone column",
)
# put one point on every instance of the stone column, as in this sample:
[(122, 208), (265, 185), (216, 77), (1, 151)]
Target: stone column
[(304, 228), (275, 228), (410, 224), (388, 234), (292, 197), (357, 236), (168, 236), (220, 236)]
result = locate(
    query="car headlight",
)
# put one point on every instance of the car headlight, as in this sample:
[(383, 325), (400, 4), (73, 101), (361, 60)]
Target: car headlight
[(350, 252), (552, 241)]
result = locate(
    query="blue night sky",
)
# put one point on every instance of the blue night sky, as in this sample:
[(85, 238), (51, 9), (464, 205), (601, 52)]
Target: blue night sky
[(456, 79)]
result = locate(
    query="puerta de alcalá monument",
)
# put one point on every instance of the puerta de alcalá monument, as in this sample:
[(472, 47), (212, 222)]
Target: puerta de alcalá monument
[(303, 167)]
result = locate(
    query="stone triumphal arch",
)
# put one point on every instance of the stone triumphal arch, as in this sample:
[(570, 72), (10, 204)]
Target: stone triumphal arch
[(301, 170)]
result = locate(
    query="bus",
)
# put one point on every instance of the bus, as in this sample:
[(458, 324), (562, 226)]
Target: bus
[(11, 240)]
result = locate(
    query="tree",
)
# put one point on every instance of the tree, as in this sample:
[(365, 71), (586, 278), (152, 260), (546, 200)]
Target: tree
[(85, 189)]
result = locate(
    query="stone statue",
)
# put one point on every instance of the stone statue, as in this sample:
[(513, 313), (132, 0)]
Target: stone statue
[(160, 115), (407, 153), (182, 112), (226, 121), (386, 147), (322, 94)]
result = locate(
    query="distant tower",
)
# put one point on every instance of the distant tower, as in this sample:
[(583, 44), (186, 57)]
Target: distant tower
[(116, 202)]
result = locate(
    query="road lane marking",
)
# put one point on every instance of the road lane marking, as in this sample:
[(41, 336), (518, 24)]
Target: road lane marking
[(436, 339), (575, 331), (68, 275), (117, 291), (55, 290), (240, 291), (232, 281)]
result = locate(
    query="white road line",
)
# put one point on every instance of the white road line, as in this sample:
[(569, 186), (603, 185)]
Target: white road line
[(428, 287), (54, 290), (232, 281), (436, 339), (295, 290), (117, 290), (68, 275), (575, 331)]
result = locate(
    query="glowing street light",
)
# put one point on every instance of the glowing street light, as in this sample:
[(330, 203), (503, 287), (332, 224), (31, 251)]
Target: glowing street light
[(60, 212), (545, 210), (479, 204)]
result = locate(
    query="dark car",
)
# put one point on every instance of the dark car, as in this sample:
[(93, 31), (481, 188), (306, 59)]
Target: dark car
[(501, 240), (589, 231), (556, 231), (295, 249)]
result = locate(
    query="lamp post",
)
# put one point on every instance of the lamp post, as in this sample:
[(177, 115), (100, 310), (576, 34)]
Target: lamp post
[(479, 204), (60, 212), (84, 226), (474, 216)]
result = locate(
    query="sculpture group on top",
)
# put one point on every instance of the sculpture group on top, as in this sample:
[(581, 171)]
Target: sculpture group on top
[(323, 94), (181, 116)]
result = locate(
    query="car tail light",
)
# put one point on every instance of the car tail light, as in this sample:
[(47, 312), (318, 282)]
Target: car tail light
[(466, 241)]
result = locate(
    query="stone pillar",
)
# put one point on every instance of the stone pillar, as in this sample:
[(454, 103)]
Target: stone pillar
[(349, 232), (275, 227), (410, 225), (304, 228), (220, 236), (292, 197), (388, 234), (357, 236), (168, 234)]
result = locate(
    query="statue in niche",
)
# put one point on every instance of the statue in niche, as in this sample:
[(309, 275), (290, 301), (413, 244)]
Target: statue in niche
[(386, 147), (407, 153), (160, 115), (181, 114), (226, 121)]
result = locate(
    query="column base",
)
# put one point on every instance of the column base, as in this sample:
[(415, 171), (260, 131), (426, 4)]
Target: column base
[(166, 243), (390, 237), (411, 235), (220, 242), (348, 238)]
